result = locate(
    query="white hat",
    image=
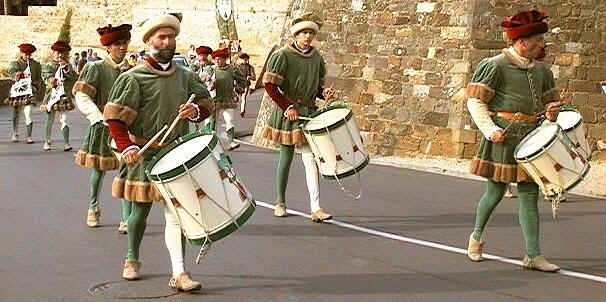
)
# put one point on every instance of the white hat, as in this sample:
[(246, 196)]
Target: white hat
[(151, 25), (305, 21)]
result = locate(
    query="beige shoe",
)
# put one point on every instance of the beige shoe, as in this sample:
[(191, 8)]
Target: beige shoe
[(539, 263), (280, 210), (46, 146), (92, 220), (320, 215), (29, 140), (184, 283), (67, 147), (474, 249), (123, 228), (15, 138), (131, 269)]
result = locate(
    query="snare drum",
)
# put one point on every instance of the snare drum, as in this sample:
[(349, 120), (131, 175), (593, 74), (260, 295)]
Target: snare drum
[(549, 157), (572, 124), (335, 141), (200, 187)]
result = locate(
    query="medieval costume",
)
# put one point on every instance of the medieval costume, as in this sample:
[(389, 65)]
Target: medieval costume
[(25, 73), (248, 71), (502, 86)]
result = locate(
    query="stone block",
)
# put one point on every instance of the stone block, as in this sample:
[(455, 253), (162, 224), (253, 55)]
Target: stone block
[(435, 119), (464, 136), (589, 114), (421, 90), (597, 100), (426, 7), (564, 59), (583, 86)]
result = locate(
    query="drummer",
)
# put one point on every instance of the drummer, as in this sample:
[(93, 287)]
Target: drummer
[(294, 78), (91, 92), (142, 101), (510, 89)]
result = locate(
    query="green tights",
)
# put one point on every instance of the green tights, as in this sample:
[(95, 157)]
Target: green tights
[(96, 176), (137, 221), (287, 153), (528, 194)]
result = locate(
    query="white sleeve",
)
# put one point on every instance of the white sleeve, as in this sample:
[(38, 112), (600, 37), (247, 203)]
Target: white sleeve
[(87, 106), (481, 116)]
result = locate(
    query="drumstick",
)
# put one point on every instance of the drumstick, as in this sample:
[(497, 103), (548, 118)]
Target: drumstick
[(172, 126), (305, 118), (152, 140)]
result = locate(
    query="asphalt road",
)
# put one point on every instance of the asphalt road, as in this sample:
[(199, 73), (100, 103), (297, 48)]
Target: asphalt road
[(48, 254)]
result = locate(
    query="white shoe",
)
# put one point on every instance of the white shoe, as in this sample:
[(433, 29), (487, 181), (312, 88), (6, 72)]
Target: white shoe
[(474, 249), (46, 146), (15, 138)]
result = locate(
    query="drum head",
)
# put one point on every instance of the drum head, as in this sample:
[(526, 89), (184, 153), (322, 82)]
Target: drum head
[(568, 119), (532, 143), (179, 154), (327, 119)]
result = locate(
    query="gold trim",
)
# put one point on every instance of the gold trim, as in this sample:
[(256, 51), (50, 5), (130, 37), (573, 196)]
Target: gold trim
[(499, 172), (137, 191), (282, 137), (273, 78), (85, 88), (480, 91), (123, 113), (98, 162)]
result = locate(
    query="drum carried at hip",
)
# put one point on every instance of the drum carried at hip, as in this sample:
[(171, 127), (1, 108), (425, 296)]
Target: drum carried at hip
[(199, 186)]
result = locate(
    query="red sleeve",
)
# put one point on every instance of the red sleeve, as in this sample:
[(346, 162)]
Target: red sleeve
[(276, 96), (120, 133)]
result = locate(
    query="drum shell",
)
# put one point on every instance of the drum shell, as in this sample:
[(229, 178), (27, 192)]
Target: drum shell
[(335, 147), (199, 217), (578, 136), (555, 164)]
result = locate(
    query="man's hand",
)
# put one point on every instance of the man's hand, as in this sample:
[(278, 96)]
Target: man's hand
[(552, 110), (131, 157), (292, 114), (498, 137), (187, 111), (328, 93), (19, 75)]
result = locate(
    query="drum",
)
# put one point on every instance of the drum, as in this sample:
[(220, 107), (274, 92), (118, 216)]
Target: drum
[(572, 123), (200, 187), (549, 157), (335, 141)]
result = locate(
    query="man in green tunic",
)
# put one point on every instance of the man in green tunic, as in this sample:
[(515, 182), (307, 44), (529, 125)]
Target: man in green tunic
[(59, 77), (91, 93), (25, 73), (507, 91), (248, 71), (141, 102), (228, 79), (294, 79)]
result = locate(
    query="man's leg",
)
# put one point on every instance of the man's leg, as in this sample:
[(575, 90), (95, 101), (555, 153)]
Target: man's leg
[(137, 222), (29, 124), (126, 210), (15, 137), (228, 117), (65, 131), (96, 179), (50, 119), (175, 243), (287, 153), (243, 99), (313, 185), (489, 201)]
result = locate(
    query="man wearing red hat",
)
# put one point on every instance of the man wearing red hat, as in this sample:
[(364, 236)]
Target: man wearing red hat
[(205, 68), (201, 60), (59, 77), (25, 73), (506, 92), (91, 93), (226, 99), (294, 79), (249, 73), (141, 102)]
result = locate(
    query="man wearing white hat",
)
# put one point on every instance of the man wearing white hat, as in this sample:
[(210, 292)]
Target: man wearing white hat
[(141, 102)]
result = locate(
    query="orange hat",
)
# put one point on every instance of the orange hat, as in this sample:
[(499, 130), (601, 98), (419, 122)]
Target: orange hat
[(111, 34), (61, 46), (27, 48), (221, 53), (204, 50), (525, 24)]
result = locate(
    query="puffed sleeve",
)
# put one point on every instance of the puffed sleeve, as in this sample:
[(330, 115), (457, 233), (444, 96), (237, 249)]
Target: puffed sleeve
[(485, 81), (124, 100)]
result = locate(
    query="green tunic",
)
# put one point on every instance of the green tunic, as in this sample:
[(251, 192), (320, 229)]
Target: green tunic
[(146, 99), (300, 77), (247, 71), (505, 84), (48, 74), (228, 78), (35, 70), (96, 81)]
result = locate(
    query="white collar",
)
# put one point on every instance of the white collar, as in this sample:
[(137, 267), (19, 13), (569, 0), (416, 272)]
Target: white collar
[(164, 65)]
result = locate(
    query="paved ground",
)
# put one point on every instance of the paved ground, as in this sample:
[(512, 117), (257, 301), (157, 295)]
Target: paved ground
[(48, 254)]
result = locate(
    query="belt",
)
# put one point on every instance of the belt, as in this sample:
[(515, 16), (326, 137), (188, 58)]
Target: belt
[(516, 116)]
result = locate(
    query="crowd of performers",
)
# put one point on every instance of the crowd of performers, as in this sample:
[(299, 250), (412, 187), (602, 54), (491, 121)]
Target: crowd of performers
[(130, 106)]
